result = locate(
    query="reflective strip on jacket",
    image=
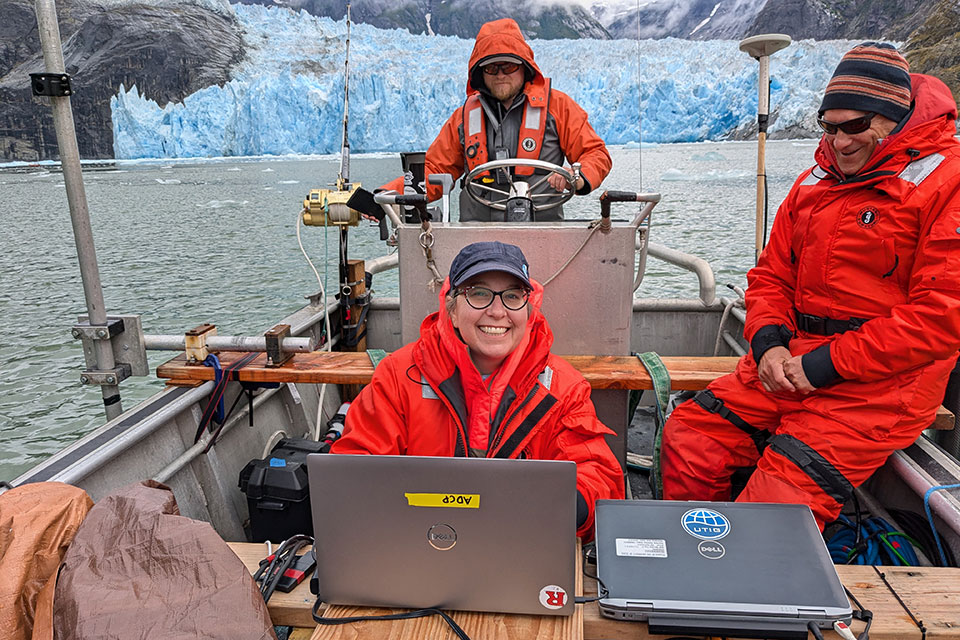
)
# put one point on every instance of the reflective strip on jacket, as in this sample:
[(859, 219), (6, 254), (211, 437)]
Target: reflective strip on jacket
[(883, 246), (568, 133)]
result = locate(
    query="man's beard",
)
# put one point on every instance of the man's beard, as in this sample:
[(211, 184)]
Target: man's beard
[(504, 92)]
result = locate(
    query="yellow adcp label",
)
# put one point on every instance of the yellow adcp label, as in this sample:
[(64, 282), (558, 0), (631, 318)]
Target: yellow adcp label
[(454, 500)]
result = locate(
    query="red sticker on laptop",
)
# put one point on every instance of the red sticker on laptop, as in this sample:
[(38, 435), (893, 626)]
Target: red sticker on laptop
[(553, 597)]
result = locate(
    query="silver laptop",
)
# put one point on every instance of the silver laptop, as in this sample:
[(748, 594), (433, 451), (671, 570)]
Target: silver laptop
[(716, 568), (470, 534)]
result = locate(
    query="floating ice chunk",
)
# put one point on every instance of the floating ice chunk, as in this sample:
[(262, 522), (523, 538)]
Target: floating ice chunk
[(220, 204), (676, 175), (709, 156)]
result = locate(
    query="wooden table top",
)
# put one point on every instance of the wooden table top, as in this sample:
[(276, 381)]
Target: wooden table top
[(931, 594)]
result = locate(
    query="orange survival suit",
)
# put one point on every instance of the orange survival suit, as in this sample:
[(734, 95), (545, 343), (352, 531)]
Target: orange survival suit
[(428, 399), (522, 129), (862, 277)]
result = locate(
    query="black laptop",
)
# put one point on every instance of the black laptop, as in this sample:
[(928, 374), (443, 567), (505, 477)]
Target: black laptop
[(717, 568)]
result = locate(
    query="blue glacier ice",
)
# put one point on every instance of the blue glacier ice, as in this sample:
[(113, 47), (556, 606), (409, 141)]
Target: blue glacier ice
[(286, 96)]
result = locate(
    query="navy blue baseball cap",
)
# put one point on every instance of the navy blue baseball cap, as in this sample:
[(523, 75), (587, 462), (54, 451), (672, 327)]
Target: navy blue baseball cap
[(481, 257)]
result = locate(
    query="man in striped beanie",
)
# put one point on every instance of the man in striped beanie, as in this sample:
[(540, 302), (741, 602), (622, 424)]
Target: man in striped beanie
[(867, 97), (853, 309)]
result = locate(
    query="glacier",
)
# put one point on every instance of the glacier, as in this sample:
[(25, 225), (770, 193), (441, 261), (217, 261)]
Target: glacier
[(286, 95)]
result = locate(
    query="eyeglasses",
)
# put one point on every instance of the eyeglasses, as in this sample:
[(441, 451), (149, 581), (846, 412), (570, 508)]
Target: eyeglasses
[(506, 68), (850, 127), (478, 297)]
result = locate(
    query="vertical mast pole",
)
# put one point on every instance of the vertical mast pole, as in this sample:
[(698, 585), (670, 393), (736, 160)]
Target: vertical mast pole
[(49, 31), (344, 176), (761, 48), (342, 180)]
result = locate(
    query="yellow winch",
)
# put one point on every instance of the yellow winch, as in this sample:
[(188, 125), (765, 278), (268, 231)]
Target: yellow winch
[(326, 207)]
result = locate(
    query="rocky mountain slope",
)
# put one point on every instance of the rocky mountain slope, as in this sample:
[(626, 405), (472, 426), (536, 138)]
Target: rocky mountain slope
[(934, 47), (169, 50), (461, 18), (172, 48)]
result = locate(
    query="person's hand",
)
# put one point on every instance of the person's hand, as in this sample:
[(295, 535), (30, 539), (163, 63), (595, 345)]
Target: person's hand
[(771, 370), (559, 183), (793, 369)]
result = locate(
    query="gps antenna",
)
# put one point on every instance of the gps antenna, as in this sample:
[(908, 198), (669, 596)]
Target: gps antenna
[(761, 48)]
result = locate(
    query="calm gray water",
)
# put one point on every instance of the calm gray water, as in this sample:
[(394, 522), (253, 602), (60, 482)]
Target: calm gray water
[(187, 243)]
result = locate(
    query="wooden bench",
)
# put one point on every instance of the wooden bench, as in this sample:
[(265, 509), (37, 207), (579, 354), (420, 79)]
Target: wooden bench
[(931, 594), (602, 372)]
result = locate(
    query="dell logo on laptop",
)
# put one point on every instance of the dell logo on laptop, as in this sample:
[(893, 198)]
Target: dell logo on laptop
[(705, 524), (442, 537)]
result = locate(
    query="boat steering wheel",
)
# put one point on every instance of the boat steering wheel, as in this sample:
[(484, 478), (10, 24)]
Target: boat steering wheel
[(498, 198)]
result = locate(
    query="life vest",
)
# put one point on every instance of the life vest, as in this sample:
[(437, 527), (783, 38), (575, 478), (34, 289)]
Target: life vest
[(529, 140)]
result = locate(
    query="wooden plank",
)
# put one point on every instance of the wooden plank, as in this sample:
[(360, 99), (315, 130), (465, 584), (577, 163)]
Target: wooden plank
[(602, 372), (890, 622), (932, 594), (286, 609), (945, 419)]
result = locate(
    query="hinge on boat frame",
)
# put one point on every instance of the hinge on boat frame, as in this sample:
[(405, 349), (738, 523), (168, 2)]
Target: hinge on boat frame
[(125, 336)]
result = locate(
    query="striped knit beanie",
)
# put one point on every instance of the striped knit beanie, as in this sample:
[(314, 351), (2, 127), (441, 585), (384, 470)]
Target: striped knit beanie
[(871, 77)]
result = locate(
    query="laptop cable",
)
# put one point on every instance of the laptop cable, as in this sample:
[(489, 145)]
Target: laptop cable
[(419, 613), (590, 557), (842, 629), (284, 569)]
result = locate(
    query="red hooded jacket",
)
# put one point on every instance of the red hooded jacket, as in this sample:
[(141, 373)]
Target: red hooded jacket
[(881, 246), (577, 139), (428, 399)]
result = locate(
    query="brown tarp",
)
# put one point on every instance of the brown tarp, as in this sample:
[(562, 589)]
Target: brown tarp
[(37, 523), (137, 569)]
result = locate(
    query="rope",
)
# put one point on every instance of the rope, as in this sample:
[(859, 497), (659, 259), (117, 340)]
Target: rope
[(926, 508), (593, 229)]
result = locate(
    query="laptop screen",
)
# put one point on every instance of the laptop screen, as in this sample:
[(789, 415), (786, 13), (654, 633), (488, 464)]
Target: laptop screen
[(454, 533)]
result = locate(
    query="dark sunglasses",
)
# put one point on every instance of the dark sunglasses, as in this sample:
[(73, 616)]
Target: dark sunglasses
[(850, 127), (514, 298), (506, 68)]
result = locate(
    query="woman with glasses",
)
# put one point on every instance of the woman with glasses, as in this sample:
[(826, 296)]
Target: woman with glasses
[(481, 382)]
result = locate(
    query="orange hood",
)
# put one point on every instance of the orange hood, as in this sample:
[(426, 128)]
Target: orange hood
[(498, 38)]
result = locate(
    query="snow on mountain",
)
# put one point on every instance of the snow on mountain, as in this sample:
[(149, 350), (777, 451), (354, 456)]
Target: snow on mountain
[(287, 94)]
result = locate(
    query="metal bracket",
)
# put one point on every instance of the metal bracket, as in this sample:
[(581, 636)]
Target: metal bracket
[(108, 377), (83, 329), (195, 341), (53, 85), (274, 337), (125, 335)]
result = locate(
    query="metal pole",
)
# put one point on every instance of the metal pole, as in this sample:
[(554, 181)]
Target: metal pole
[(761, 48), (763, 114), (77, 199), (227, 343)]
